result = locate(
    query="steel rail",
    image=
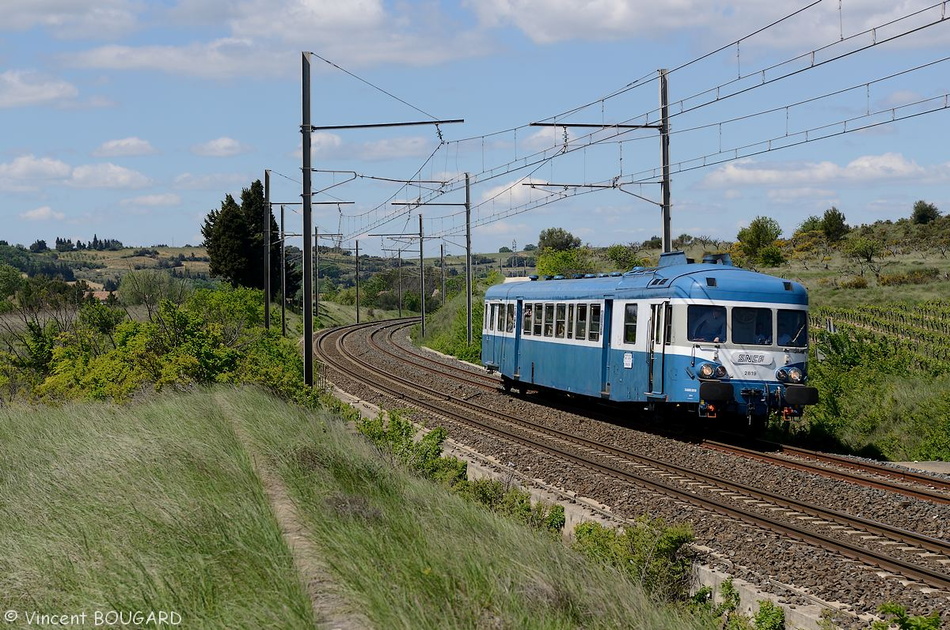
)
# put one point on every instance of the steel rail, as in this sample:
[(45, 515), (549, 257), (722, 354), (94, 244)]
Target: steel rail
[(438, 405)]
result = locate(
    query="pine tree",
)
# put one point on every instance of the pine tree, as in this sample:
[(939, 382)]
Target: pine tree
[(235, 238)]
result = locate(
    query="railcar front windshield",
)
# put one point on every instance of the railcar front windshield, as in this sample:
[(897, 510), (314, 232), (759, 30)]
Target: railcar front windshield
[(752, 326), (792, 328), (706, 323)]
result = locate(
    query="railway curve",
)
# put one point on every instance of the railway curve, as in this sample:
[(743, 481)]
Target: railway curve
[(755, 530)]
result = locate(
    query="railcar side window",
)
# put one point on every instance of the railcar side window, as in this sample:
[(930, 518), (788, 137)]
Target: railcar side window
[(560, 316), (668, 318), (752, 326), (706, 323), (510, 318), (493, 316), (548, 320), (792, 328), (630, 323), (526, 326), (538, 319), (570, 321), (581, 321), (501, 318), (594, 333)]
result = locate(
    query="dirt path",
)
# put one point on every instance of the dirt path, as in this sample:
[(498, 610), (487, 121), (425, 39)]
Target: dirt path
[(331, 609)]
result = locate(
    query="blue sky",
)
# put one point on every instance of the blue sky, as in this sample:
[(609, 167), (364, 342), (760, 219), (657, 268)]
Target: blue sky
[(132, 119)]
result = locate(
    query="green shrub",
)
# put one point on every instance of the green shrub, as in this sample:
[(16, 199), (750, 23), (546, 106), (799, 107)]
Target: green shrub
[(917, 276), (394, 435), (899, 617), (649, 551), (769, 616), (854, 282)]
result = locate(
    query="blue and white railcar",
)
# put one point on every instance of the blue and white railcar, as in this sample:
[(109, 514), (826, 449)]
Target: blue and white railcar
[(708, 338)]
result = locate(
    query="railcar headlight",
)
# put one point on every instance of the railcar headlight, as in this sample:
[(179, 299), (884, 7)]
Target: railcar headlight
[(789, 375), (711, 370), (795, 375)]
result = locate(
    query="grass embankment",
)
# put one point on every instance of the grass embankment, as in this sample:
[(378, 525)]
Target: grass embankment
[(158, 507)]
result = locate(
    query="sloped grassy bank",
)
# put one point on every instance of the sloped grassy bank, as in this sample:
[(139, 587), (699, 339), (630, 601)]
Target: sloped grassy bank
[(157, 506)]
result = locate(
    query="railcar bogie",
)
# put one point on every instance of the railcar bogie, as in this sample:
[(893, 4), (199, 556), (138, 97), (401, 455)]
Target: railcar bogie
[(711, 338)]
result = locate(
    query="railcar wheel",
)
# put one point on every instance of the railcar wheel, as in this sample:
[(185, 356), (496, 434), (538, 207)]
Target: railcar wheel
[(506, 384)]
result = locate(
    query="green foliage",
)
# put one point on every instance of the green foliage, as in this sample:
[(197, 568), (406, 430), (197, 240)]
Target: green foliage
[(10, 281), (149, 287), (345, 297), (865, 249), (448, 329), (557, 239), (235, 237), (924, 213), (899, 617), (833, 225), (883, 381), (726, 616), (649, 551), (215, 337), (761, 233), (769, 616), (772, 256), (566, 262), (625, 257), (811, 224), (395, 435), (916, 276), (514, 503), (854, 282)]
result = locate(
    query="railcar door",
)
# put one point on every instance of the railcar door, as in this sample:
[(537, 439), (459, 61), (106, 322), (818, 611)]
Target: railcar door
[(518, 324), (490, 343), (659, 338), (605, 355)]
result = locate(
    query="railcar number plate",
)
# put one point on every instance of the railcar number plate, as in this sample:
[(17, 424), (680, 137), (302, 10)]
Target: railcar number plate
[(750, 357)]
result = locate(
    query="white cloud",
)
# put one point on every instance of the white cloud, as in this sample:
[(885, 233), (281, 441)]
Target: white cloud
[(787, 195), (264, 37), (43, 213), (502, 228), (211, 181), (867, 169), (125, 147), (394, 148), (221, 58), (544, 138), (516, 192), (165, 199), (72, 20), (550, 21), (328, 145), (322, 144), (220, 147), (23, 88), (107, 175), (27, 171)]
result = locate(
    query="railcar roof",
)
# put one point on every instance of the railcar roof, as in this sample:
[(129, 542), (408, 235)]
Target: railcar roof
[(692, 281)]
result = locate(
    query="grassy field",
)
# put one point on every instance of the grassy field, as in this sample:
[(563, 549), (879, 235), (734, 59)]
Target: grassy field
[(178, 505)]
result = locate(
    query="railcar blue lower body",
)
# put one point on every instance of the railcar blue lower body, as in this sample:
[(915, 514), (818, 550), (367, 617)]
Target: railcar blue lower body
[(623, 376)]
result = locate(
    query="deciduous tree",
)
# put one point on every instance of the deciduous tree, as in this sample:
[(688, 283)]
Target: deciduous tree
[(558, 239)]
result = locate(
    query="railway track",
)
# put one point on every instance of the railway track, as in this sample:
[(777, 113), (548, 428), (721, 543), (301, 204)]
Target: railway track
[(896, 551), (907, 482)]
